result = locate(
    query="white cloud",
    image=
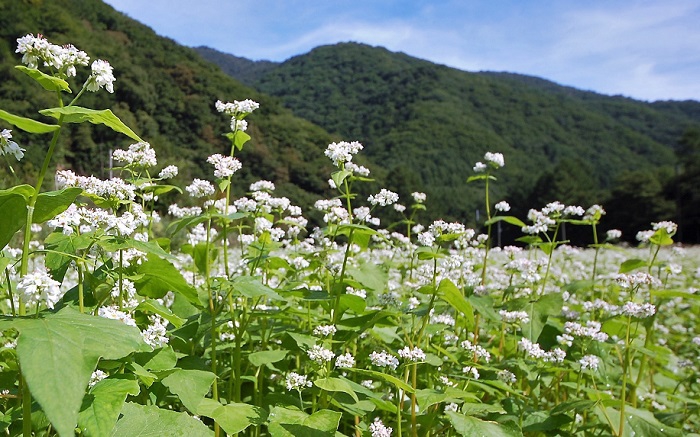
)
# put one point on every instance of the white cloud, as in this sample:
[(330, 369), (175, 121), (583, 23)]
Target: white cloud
[(644, 49)]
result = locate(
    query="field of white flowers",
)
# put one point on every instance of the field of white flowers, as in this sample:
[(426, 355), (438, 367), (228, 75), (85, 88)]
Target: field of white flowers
[(230, 316)]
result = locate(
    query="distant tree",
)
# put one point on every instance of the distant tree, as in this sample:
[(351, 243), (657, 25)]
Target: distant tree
[(685, 187), (637, 199)]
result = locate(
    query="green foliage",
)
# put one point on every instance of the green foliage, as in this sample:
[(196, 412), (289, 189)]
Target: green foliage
[(165, 90), (56, 370)]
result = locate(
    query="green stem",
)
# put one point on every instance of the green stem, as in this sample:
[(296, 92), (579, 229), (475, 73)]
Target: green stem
[(26, 409), (80, 288), (625, 365), (488, 234), (414, 384)]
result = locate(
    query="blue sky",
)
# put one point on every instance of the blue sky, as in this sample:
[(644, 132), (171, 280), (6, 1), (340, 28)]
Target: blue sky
[(645, 49)]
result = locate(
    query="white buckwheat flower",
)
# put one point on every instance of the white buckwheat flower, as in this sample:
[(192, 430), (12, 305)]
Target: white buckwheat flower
[(378, 429), (384, 359), (155, 334), (613, 234), (295, 381), (514, 316), (101, 77), (342, 152), (502, 206), (320, 354), (200, 188), (589, 362), (383, 198), (8, 147), (345, 361), (38, 286), (237, 108), (97, 376), (112, 312), (139, 153), (224, 166), (416, 354), (507, 376), (668, 226), (495, 159), (324, 330), (168, 172), (638, 311)]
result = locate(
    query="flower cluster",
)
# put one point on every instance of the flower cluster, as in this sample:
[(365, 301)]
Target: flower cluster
[(200, 188), (320, 354), (412, 354), (295, 381), (534, 350), (101, 77), (493, 160), (383, 198), (237, 109), (37, 287), (140, 154), (36, 50), (384, 359), (224, 166), (378, 429), (8, 147), (342, 152)]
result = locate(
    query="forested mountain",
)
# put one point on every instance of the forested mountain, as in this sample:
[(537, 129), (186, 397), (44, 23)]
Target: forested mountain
[(243, 69), (164, 91), (426, 124), (423, 125)]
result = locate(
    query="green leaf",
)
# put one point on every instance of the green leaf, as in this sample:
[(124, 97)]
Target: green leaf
[(52, 203), (233, 417), (61, 248), (238, 139), (576, 405), (102, 405), (544, 421), (14, 215), (158, 360), (152, 306), (250, 286), (191, 386), (354, 303), (58, 353), (151, 421), (637, 423), (339, 176), (506, 218), (27, 124), (449, 292), (77, 114), (479, 177), (471, 426), (539, 311), (180, 224), (484, 306), (159, 276), (267, 357), (336, 385), (631, 264), (286, 422), (50, 83), (159, 190), (668, 294), (396, 382), (370, 275), (429, 397), (661, 238)]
